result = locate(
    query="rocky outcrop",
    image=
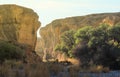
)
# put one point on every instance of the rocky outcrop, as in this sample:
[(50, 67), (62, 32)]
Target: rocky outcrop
[(18, 24), (51, 33)]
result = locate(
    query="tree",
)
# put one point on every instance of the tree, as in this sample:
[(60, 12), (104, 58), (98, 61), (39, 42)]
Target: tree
[(101, 45), (67, 42), (83, 34), (114, 33)]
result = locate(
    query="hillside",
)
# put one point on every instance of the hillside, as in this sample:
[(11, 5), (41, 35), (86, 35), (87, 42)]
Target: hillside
[(51, 33)]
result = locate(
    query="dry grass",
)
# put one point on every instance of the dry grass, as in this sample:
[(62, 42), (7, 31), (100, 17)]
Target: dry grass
[(55, 67), (73, 70), (18, 69), (37, 70)]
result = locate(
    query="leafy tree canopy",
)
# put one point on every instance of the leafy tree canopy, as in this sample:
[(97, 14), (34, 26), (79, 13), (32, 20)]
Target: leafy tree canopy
[(100, 45)]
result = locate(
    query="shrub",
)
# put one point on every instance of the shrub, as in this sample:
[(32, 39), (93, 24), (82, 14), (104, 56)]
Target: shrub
[(10, 51)]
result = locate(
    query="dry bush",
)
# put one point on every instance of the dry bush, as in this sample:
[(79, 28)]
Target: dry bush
[(99, 68)]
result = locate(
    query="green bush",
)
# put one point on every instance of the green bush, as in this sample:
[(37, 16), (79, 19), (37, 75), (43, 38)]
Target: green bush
[(9, 51)]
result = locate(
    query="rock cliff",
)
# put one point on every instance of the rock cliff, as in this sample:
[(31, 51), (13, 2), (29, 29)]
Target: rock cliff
[(18, 24), (51, 33)]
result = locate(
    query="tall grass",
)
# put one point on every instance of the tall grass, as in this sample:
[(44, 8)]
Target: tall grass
[(47, 69), (18, 69), (36, 70)]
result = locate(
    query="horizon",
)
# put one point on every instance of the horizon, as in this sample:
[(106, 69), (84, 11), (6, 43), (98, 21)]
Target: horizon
[(49, 10)]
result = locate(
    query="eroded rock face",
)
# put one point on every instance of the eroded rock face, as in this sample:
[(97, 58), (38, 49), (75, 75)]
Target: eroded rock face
[(50, 34), (18, 24)]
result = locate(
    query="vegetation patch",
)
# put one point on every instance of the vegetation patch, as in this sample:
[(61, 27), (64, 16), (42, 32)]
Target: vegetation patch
[(93, 45)]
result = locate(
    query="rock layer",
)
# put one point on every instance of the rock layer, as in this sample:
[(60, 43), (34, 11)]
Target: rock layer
[(18, 24)]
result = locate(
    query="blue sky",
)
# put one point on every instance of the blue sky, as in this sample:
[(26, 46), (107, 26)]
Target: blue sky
[(49, 10)]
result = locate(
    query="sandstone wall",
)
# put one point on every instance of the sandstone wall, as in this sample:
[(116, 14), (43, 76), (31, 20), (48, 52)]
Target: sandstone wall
[(18, 24)]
